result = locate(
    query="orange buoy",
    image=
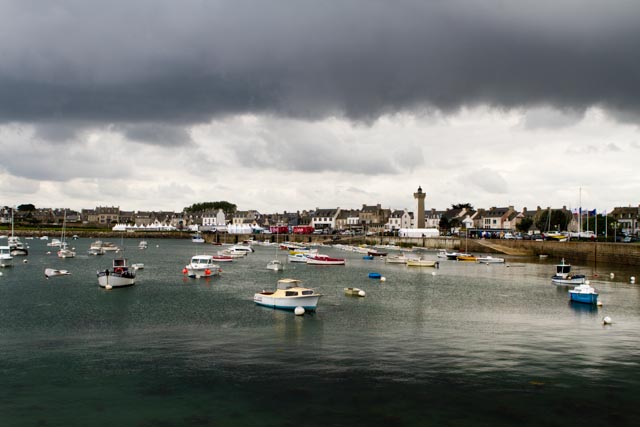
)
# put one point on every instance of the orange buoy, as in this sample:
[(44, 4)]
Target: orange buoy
[(184, 270), (207, 272)]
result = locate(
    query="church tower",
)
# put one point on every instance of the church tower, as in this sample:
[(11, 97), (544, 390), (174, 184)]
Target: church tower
[(419, 195)]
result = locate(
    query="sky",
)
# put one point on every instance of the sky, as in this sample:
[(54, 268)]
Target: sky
[(290, 105)]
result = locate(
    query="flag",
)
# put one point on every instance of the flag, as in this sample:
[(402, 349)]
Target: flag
[(574, 211), (593, 212)]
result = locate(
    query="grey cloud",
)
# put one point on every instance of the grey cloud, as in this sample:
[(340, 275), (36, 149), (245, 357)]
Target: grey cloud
[(185, 62), (156, 134), (488, 180)]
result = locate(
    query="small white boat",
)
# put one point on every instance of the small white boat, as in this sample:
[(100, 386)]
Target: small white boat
[(419, 262), (452, 255), (275, 265), (222, 258), (288, 296), (65, 252), (489, 260), (51, 272), (325, 260), (564, 276), (138, 266), (44, 238), (201, 266), (54, 243), (119, 276), (6, 260), (96, 251), (242, 248), (442, 253), (396, 259), (143, 244), (17, 248), (232, 253), (354, 292), (197, 238), (584, 293)]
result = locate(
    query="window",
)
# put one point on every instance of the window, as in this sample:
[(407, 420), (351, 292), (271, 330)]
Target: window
[(291, 293), (307, 292)]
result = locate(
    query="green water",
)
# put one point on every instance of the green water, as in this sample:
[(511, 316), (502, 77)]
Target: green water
[(470, 345)]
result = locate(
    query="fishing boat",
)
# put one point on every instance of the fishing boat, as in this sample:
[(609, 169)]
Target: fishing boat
[(197, 238), (51, 272), (6, 260), (201, 266), (419, 262), (354, 292), (564, 276), (325, 260), (583, 293), (289, 295), (489, 260), (119, 276)]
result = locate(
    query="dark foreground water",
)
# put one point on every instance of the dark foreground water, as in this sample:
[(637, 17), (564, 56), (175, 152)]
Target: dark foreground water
[(471, 345)]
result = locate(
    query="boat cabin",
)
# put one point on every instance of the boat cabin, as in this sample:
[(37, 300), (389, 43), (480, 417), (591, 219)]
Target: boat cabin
[(289, 283), (563, 269)]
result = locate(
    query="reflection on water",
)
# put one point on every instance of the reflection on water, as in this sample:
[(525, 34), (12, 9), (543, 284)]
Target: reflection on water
[(470, 344)]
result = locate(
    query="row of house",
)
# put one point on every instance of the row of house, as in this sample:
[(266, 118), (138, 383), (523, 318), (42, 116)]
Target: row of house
[(370, 217)]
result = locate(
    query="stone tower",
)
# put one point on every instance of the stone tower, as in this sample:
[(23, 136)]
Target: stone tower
[(419, 195)]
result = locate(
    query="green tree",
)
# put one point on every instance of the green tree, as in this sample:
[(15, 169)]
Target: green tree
[(524, 225), (227, 208), (26, 207), (554, 219), (444, 223), (461, 206)]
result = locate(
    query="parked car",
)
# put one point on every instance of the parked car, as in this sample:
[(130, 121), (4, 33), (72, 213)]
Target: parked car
[(537, 237), (509, 236)]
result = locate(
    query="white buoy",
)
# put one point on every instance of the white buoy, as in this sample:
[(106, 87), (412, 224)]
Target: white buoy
[(433, 273), (299, 311), (157, 246), (599, 303), (606, 320), (362, 293), (108, 287), (1, 273), (612, 275), (586, 282), (632, 279), (25, 261), (383, 279), (48, 252)]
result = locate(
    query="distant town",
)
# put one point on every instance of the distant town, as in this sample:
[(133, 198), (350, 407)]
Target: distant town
[(224, 217)]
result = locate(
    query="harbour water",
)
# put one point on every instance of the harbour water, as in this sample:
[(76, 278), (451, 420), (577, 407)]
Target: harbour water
[(466, 344)]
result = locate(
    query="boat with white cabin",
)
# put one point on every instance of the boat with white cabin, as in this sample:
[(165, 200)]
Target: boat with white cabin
[(143, 244), (197, 238), (275, 265), (119, 276), (52, 272), (419, 262), (201, 266), (6, 260), (584, 294), (288, 295), (489, 260), (564, 276)]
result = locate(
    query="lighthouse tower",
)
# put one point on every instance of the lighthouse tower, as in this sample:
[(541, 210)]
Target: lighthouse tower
[(419, 195)]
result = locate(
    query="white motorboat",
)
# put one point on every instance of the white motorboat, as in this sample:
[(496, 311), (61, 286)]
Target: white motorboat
[(65, 252), (564, 276), (96, 251), (419, 262), (138, 266), (242, 248), (275, 265), (143, 244), (396, 259), (197, 238), (51, 272), (119, 276), (354, 292), (54, 243), (6, 260), (17, 248), (201, 266), (489, 260), (288, 295), (232, 253)]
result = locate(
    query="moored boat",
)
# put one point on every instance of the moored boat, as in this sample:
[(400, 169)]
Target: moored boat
[(201, 266), (466, 257), (275, 265), (564, 276), (584, 293), (452, 255), (489, 260), (143, 244), (288, 295), (119, 276), (6, 260), (354, 292), (325, 260), (396, 259), (419, 262), (197, 238), (222, 258), (297, 258), (51, 272)]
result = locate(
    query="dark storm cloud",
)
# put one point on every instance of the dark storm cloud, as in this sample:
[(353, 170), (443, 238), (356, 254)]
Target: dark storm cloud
[(185, 62)]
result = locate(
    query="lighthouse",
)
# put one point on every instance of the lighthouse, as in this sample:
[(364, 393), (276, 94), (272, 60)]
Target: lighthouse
[(419, 196)]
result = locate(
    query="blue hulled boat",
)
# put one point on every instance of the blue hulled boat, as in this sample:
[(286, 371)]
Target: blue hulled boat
[(584, 294)]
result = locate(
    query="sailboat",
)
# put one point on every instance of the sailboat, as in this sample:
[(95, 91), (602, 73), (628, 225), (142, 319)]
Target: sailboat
[(275, 264), (466, 256), (64, 251), (16, 247)]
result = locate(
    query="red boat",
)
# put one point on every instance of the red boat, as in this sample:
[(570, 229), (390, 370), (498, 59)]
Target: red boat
[(222, 258), (324, 260)]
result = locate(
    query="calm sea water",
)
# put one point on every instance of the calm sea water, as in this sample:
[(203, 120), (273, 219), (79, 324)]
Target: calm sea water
[(470, 345)]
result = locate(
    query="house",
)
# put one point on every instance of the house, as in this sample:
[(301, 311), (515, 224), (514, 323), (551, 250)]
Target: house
[(431, 218), (497, 218), (245, 217), (628, 219), (374, 215), (105, 215), (398, 219), (211, 219), (324, 218)]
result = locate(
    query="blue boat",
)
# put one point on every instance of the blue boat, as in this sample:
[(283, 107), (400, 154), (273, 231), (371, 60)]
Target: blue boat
[(375, 275), (367, 257), (584, 294)]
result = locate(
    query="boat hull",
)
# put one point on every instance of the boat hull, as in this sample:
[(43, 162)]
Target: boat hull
[(198, 273), (116, 280), (6, 262), (584, 298), (287, 303), (325, 261), (422, 263), (574, 280)]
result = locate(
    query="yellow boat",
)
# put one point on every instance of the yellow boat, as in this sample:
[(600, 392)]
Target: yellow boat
[(418, 262), (466, 257)]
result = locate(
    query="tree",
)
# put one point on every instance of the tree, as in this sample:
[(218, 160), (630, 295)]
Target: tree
[(26, 207), (554, 219), (444, 223), (227, 208), (461, 206), (524, 225)]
